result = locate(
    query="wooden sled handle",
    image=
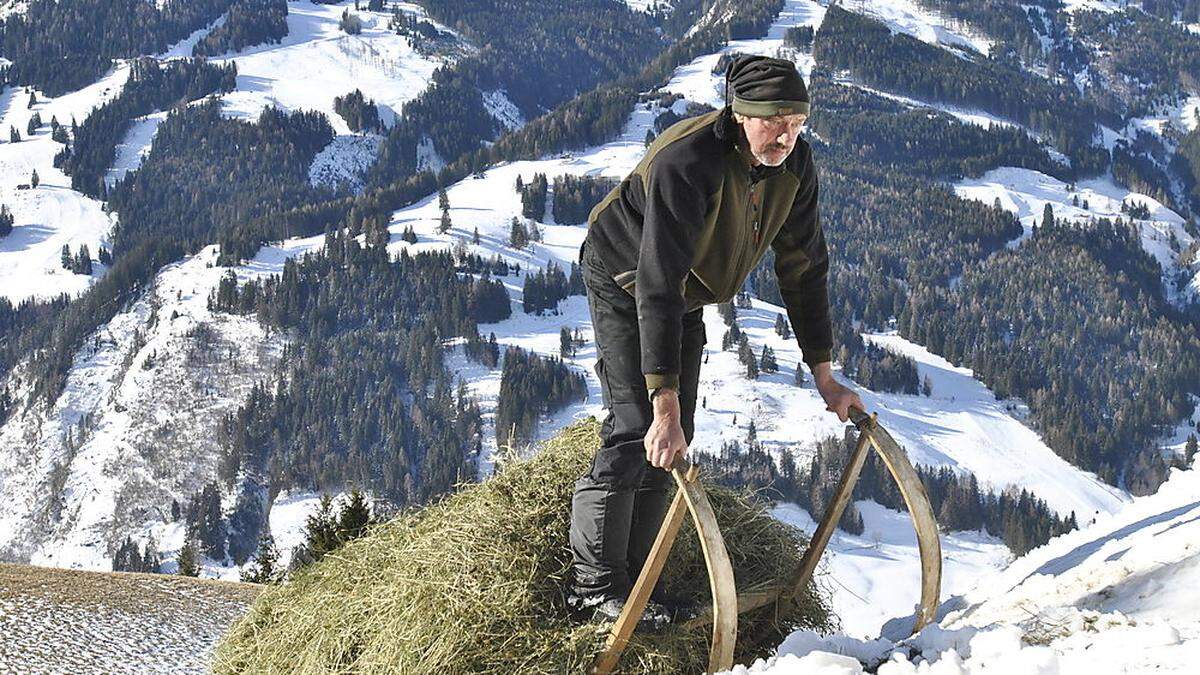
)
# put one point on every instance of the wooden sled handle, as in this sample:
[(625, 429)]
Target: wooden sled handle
[(691, 497)]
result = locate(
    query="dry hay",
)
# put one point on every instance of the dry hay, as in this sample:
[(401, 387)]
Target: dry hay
[(474, 583)]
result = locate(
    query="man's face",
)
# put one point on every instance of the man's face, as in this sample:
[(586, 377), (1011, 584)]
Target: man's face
[(772, 139)]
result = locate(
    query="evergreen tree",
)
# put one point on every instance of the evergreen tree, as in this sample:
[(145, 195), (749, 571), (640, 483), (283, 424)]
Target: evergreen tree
[(566, 345), (13, 135), (6, 221), (518, 236), (355, 517), (782, 328), (264, 568), (766, 362), (475, 236), (350, 23), (151, 559), (35, 121), (1189, 449), (34, 180), (127, 558), (83, 262), (746, 356), (189, 563), (320, 531), (443, 199), (205, 523), (444, 224)]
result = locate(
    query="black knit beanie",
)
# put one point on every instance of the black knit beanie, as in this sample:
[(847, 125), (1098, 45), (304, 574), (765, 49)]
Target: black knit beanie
[(763, 86)]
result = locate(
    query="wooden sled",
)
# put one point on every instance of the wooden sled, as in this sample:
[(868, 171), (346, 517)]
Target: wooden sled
[(727, 604)]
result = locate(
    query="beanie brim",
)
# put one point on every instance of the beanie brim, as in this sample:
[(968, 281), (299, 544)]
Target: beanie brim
[(768, 108)]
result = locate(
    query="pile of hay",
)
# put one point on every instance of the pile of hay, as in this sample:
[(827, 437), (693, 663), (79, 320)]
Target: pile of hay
[(475, 584)]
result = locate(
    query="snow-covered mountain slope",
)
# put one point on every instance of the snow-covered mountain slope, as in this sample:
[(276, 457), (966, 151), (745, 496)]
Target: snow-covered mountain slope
[(314, 63), (961, 425), (876, 576), (1026, 192), (697, 82), (317, 61), (1119, 596), (136, 424), (51, 215), (64, 621), (907, 16)]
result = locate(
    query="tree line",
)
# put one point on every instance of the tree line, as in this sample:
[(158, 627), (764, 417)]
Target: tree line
[(1074, 322), (903, 64), (62, 45), (532, 385), (247, 23), (152, 86), (1017, 517), (363, 395)]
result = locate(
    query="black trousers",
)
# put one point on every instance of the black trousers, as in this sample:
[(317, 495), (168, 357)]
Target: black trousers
[(619, 504)]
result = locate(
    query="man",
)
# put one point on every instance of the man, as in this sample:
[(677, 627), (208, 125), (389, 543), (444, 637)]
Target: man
[(682, 231)]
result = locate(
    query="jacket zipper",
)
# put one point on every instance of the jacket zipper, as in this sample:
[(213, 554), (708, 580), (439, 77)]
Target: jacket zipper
[(750, 206)]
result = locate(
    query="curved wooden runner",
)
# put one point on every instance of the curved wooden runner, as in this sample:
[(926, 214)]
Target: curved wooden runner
[(690, 497), (870, 435), (727, 604)]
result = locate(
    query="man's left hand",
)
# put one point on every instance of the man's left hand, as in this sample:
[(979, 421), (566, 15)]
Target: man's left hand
[(838, 398)]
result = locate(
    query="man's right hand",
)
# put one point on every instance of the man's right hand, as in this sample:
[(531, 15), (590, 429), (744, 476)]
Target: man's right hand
[(665, 440)]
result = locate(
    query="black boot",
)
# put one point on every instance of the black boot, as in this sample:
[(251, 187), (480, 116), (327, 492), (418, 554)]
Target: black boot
[(607, 609)]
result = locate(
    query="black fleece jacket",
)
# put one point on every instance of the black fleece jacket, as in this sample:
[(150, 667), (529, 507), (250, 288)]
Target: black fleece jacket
[(690, 223)]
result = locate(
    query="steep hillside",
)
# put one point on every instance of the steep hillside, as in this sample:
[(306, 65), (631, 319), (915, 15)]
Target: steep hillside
[(63, 621)]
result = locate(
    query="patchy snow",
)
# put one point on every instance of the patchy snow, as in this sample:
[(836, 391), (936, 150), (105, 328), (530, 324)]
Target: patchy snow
[(51, 215), (979, 118), (134, 147), (1178, 118), (316, 61), (1120, 596), (696, 81), (1073, 6), (961, 425), (428, 157), (647, 5), (963, 413), (907, 16), (183, 48), (68, 621), (345, 161), (1173, 442), (1026, 192), (135, 425), (503, 109), (1189, 116)]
